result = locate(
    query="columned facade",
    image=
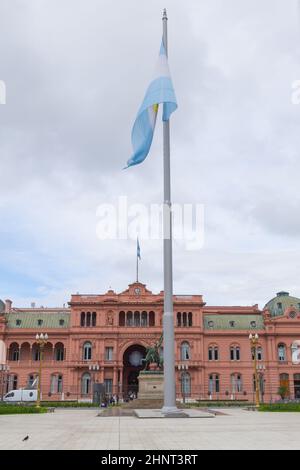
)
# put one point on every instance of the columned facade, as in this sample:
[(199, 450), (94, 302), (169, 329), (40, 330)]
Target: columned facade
[(103, 339)]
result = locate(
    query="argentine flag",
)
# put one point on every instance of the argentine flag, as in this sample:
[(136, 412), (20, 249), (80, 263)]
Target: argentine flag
[(159, 91)]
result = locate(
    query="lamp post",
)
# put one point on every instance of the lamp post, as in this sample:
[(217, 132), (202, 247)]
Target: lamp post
[(41, 340), (183, 367), (254, 343), (4, 369)]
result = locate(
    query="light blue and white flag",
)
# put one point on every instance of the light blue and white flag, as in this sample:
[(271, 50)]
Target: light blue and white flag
[(138, 249), (159, 91)]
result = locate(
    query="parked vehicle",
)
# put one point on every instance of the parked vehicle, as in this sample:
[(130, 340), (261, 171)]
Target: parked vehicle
[(20, 395)]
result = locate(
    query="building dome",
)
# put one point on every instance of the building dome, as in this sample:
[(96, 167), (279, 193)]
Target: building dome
[(283, 300)]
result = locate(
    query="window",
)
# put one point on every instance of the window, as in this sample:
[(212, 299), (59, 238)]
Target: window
[(185, 351), (109, 353), (190, 319), (253, 324), (56, 383), (211, 324), (36, 353), (86, 384), (279, 305), (214, 384), (18, 322), (15, 354), (281, 353), (32, 381), (59, 352), (236, 383), (122, 319), (259, 353), (235, 353), (137, 319), (108, 384), (179, 319), (12, 383), (292, 315), (87, 352), (94, 319), (213, 353), (40, 322), (151, 318), (129, 319), (82, 319), (88, 319), (185, 384), (232, 324), (144, 319), (184, 319), (61, 322)]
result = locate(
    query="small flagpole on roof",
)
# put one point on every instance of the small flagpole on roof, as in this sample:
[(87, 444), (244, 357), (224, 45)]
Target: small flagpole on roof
[(138, 256)]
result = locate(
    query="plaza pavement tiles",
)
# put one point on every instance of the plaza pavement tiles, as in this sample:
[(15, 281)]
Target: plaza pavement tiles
[(83, 429)]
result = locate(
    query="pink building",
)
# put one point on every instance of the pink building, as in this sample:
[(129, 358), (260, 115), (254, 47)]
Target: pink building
[(103, 339)]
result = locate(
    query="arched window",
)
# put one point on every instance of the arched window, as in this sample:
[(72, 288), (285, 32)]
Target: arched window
[(184, 319), (56, 385), (144, 319), (213, 353), (36, 352), (87, 351), (190, 319), (281, 350), (235, 353), (86, 384), (214, 384), (179, 319), (185, 384), (129, 319), (82, 319), (59, 352), (88, 319), (185, 351), (14, 352), (94, 319), (151, 319), (284, 382), (137, 319), (236, 383), (122, 319)]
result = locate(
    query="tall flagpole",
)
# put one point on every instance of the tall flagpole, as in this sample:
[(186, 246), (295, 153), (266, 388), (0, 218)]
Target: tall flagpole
[(168, 317)]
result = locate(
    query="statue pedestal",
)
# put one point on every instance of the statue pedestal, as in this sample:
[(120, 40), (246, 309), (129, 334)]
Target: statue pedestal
[(151, 385)]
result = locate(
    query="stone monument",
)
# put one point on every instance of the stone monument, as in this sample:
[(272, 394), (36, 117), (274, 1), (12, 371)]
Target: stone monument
[(151, 379)]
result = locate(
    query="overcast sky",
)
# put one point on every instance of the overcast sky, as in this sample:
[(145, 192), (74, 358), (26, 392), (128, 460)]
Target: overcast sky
[(76, 72)]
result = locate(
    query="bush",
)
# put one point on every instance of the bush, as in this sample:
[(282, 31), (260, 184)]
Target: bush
[(16, 409), (281, 407), (217, 404), (67, 404)]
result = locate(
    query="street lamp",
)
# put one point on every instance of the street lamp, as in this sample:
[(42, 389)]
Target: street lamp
[(41, 340), (254, 342), (183, 367), (4, 369)]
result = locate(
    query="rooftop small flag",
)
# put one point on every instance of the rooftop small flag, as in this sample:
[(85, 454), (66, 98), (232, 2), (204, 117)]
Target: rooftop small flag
[(159, 91)]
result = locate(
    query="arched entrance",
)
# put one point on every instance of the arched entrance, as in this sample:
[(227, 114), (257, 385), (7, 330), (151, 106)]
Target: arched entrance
[(132, 365)]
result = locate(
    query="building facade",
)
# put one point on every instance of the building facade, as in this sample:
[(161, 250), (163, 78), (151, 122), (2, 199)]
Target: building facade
[(103, 339)]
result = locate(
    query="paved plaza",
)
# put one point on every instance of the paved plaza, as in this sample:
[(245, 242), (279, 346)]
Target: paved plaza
[(82, 429)]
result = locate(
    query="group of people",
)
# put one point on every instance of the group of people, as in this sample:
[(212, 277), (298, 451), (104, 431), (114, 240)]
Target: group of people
[(110, 400)]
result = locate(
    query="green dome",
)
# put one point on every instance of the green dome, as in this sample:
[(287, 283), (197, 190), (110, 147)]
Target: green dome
[(281, 302)]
